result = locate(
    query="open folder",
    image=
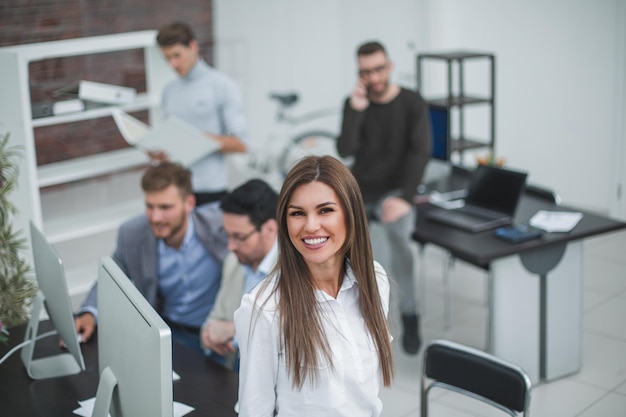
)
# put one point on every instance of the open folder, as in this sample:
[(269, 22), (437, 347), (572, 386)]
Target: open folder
[(181, 141)]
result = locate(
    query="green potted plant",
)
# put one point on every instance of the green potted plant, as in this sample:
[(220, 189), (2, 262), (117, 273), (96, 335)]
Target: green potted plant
[(17, 287)]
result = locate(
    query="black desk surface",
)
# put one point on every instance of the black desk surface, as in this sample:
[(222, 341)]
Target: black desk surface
[(204, 385), (481, 248)]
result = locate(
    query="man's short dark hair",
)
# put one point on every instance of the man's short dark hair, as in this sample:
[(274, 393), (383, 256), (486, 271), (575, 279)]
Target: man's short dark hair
[(160, 176), (254, 198), (371, 47), (174, 34)]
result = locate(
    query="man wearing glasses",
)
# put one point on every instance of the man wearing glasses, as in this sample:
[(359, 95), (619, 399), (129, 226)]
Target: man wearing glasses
[(385, 128), (249, 216)]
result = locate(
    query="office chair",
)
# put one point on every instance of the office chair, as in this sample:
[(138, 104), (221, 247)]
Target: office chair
[(533, 190), (474, 373), (542, 193)]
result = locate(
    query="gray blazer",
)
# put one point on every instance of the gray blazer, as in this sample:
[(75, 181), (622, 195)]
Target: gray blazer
[(136, 251)]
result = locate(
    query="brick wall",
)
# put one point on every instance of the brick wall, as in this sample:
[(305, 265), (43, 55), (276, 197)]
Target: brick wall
[(30, 21)]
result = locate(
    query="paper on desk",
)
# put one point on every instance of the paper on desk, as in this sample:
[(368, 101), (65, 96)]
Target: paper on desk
[(555, 221), (181, 409), (86, 408), (449, 200)]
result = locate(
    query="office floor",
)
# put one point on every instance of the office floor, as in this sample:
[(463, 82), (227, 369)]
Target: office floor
[(598, 390)]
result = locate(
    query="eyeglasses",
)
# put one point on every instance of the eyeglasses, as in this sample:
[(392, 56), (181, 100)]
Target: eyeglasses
[(377, 70), (241, 238)]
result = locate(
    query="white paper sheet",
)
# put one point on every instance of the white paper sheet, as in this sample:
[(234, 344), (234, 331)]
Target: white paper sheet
[(86, 408), (555, 221), (178, 139)]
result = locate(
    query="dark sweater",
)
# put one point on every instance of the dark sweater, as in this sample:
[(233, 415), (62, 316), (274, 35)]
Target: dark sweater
[(391, 144)]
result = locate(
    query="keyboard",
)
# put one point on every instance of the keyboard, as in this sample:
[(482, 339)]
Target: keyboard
[(463, 220)]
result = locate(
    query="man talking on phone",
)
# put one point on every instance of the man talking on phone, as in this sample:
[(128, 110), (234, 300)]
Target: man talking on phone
[(385, 128)]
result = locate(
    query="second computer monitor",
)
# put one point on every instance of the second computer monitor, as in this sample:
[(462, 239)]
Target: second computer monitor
[(134, 350), (53, 294)]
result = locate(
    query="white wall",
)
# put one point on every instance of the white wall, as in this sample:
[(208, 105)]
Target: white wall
[(556, 75), (559, 65), (309, 47), (618, 205)]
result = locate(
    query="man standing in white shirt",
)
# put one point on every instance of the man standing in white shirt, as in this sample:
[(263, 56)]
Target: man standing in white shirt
[(249, 216), (207, 99)]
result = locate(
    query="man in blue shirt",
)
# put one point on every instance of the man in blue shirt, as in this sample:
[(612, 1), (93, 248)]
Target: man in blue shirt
[(173, 254), (207, 99), (249, 214)]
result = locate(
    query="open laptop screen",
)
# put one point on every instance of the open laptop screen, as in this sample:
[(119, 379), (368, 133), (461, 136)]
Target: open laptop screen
[(496, 188)]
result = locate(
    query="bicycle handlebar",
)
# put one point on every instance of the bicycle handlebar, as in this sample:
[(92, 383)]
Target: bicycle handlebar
[(288, 100), (285, 100)]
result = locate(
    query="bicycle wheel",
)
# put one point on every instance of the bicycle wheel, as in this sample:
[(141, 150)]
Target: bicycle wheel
[(315, 142)]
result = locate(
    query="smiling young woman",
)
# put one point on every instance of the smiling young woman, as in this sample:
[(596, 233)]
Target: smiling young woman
[(314, 336)]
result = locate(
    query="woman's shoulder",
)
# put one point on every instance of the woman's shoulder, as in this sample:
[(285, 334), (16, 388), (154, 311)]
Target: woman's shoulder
[(264, 295), (379, 270), (381, 274)]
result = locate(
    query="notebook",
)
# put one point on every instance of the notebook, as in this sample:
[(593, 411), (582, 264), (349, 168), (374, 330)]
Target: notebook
[(181, 141), (491, 200)]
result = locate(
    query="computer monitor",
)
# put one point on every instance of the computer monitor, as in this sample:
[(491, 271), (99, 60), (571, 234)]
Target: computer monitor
[(134, 350), (440, 129), (53, 295)]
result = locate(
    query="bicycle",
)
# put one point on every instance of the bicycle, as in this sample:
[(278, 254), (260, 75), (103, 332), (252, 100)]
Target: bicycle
[(293, 138)]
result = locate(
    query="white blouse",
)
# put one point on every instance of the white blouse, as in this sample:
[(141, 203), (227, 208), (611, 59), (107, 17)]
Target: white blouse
[(350, 390)]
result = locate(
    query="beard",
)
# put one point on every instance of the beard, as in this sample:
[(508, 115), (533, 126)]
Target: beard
[(248, 259), (379, 91), (166, 230)]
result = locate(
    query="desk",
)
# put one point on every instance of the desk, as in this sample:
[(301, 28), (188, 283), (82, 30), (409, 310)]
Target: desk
[(205, 385), (535, 294)]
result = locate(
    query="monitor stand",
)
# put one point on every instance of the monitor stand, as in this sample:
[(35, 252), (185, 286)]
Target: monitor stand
[(104, 394), (49, 367)]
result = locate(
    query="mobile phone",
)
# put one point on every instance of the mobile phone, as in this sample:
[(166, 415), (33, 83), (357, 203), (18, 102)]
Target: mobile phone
[(518, 233)]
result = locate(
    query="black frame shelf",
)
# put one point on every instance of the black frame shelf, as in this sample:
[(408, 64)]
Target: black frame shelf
[(459, 100)]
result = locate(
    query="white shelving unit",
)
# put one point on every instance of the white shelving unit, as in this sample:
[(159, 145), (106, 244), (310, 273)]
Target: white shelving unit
[(78, 203)]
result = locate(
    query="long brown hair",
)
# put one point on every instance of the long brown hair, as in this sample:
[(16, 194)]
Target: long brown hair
[(301, 330)]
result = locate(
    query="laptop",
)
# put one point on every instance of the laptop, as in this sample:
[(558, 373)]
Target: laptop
[(491, 200), (181, 141)]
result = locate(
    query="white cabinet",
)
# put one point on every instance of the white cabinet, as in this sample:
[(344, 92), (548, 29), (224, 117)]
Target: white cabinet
[(78, 203)]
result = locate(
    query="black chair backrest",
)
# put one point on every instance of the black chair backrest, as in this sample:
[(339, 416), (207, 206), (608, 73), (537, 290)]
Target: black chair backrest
[(477, 372), (542, 193)]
